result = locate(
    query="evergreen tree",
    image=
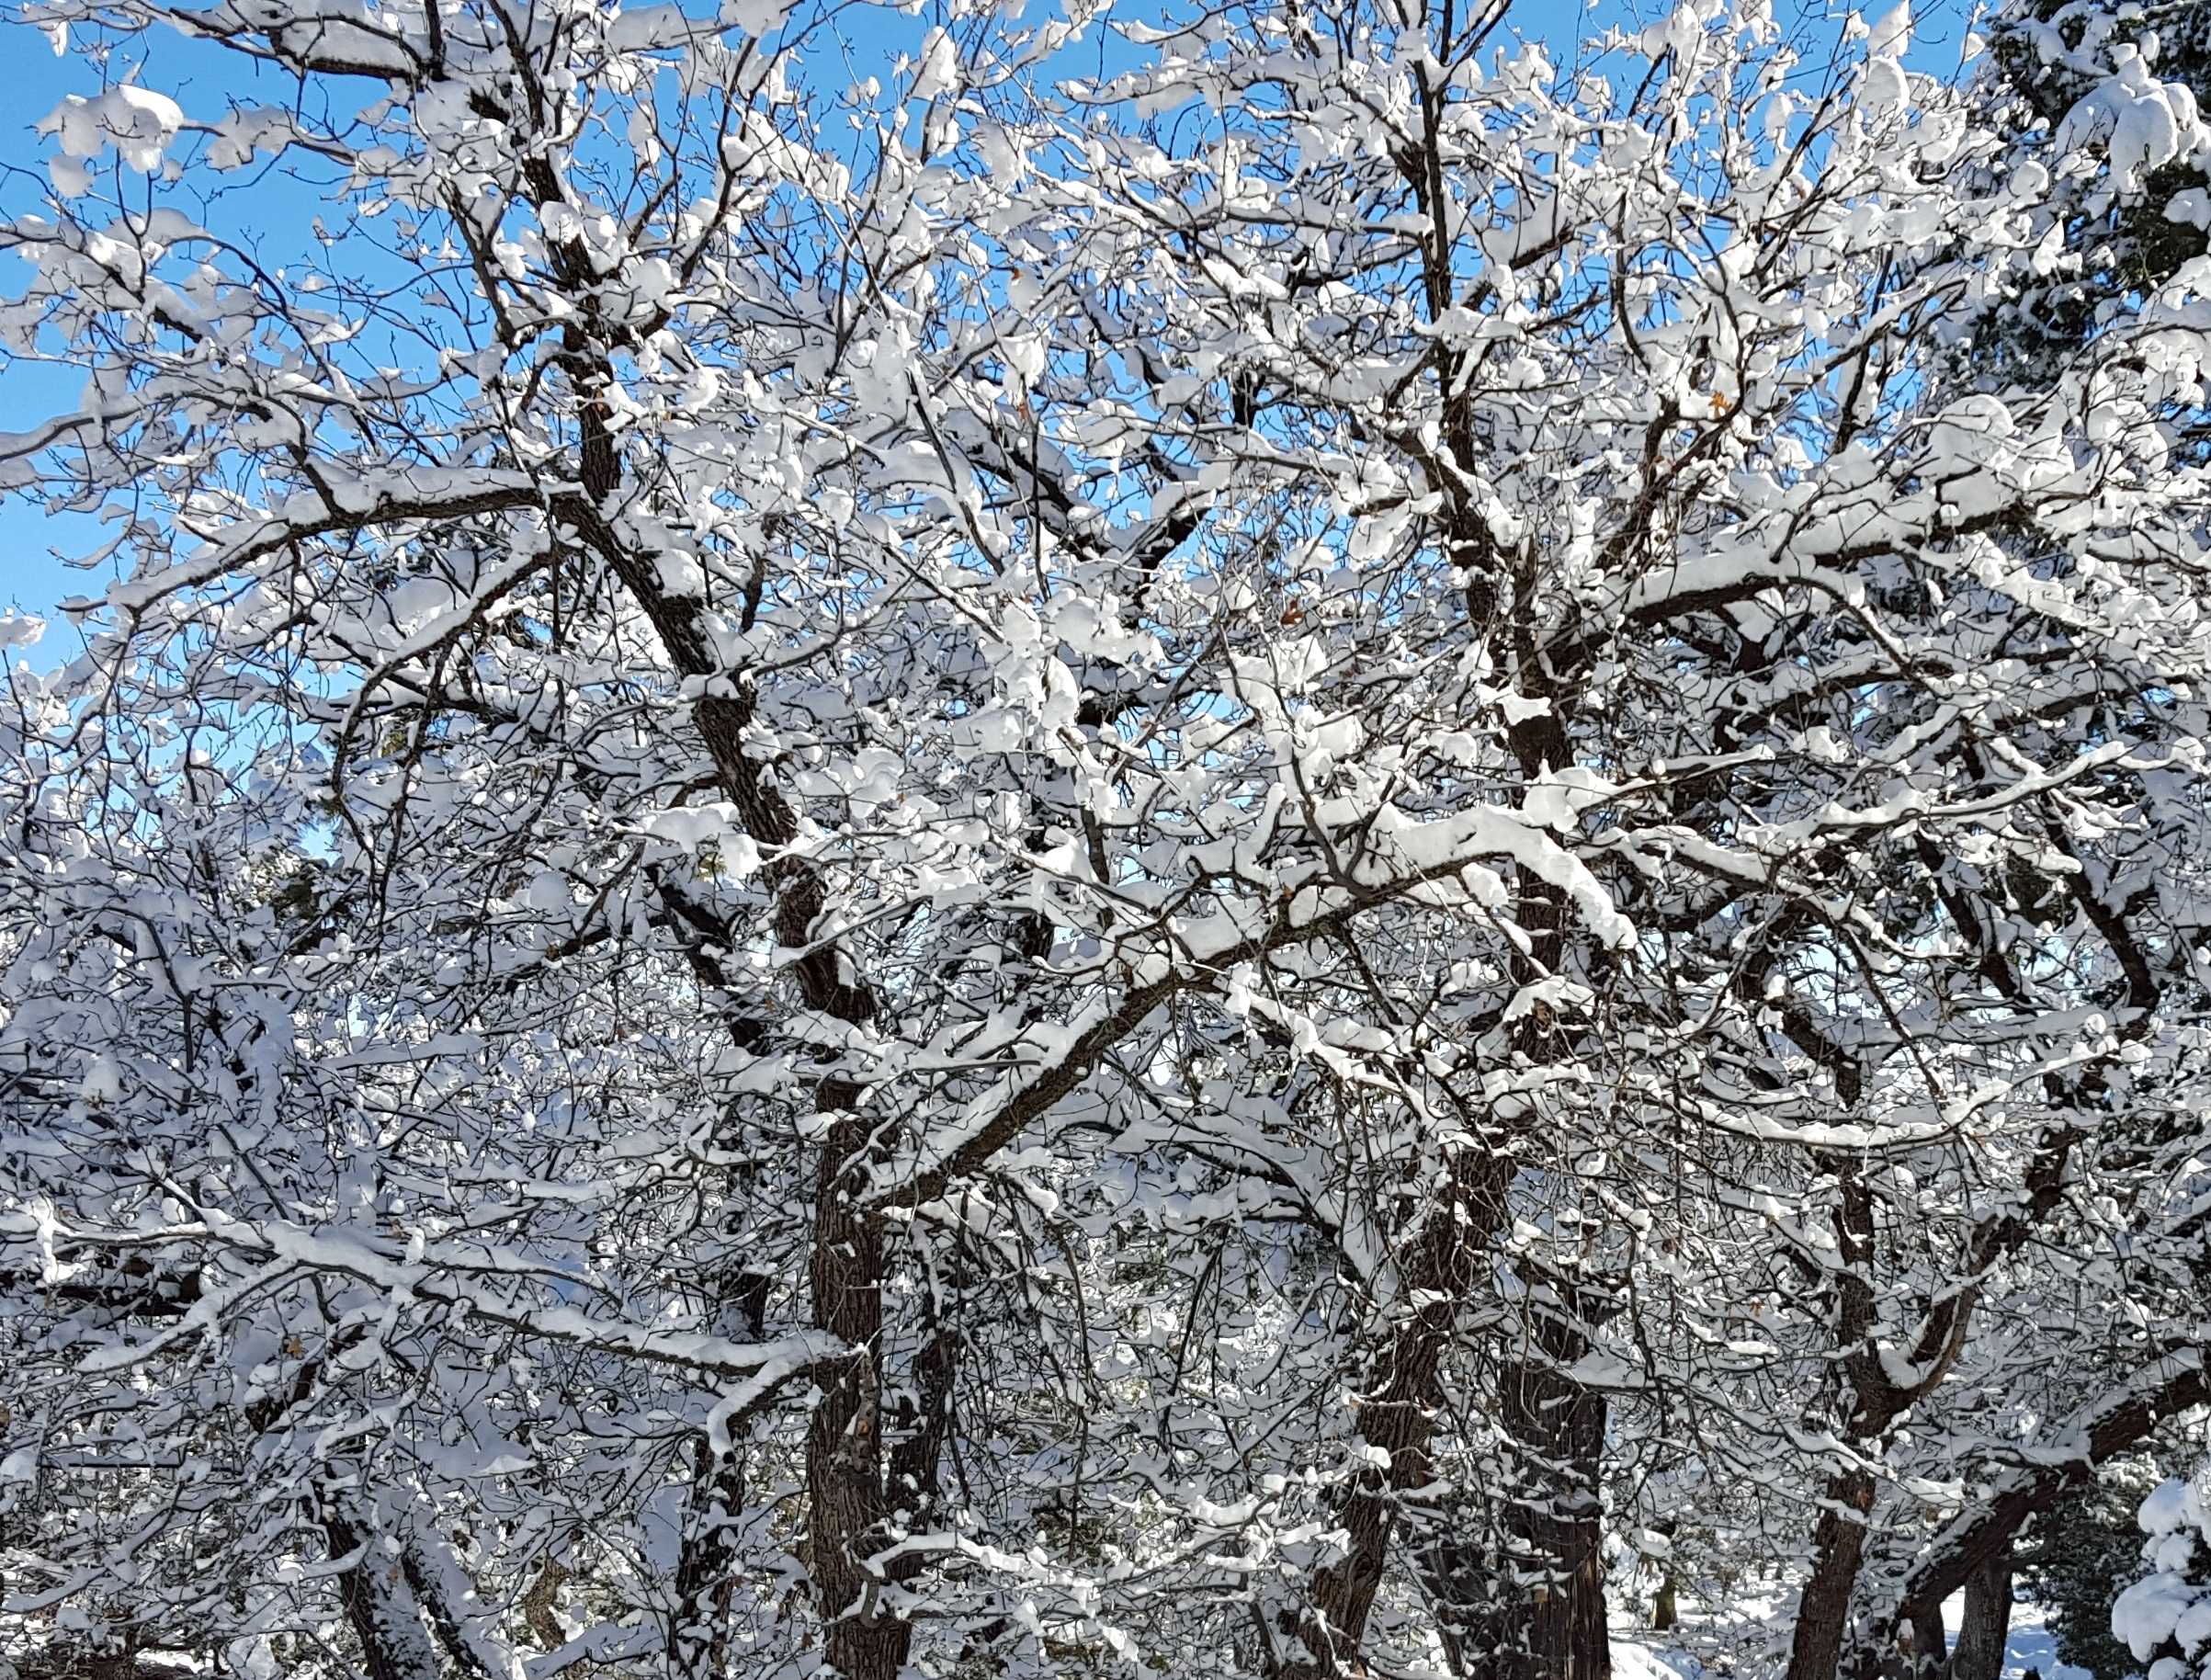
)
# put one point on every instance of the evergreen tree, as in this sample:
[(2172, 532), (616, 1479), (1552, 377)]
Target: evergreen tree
[(2077, 1552), (2067, 72)]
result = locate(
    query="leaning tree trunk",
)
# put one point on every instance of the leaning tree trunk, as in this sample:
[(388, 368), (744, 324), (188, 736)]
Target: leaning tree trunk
[(1439, 1268), (379, 1600)]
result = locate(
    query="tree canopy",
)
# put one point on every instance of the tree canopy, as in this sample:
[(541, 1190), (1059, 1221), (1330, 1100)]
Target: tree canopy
[(1226, 853)]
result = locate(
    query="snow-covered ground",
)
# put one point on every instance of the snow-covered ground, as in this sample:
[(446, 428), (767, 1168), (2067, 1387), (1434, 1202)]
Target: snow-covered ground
[(1633, 1658), (1638, 1654)]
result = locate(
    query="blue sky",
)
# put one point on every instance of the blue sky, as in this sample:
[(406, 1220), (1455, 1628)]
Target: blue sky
[(34, 79)]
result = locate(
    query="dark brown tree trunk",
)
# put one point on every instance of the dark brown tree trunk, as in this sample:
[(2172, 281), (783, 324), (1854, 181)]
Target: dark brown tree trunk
[(1824, 1620), (1838, 1545), (1530, 1605), (1930, 1642), (843, 1436), (1984, 1628), (1397, 1417), (1554, 1517), (706, 1567), (1541, 1614), (378, 1603), (1440, 1270)]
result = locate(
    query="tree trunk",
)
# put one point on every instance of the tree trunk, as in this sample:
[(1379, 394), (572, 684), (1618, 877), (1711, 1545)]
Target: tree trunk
[(1554, 1517), (843, 1460), (1986, 1628), (1399, 1417), (1930, 1642), (380, 1604), (1823, 1621), (1838, 1545), (707, 1565)]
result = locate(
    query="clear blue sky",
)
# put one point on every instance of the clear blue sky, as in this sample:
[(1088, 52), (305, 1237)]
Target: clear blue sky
[(33, 79)]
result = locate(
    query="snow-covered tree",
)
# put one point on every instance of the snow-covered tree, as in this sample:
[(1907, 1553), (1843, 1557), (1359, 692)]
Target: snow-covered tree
[(2063, 70), (2080, 1548), (1167, 858), (2164, 1618)]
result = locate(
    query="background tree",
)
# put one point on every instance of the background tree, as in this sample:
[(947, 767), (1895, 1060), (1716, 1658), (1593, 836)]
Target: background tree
[(2059, 71), (2078, 1551)]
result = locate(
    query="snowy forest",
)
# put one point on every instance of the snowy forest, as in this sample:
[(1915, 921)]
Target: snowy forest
[(1257, 839)]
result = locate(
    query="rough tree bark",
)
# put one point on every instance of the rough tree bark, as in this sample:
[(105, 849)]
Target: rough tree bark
[(706, 1565), (1930, 1642), (1554, 1514), (1399, 1416), (379, 1601), (1985, 1626), (1838, 1549)]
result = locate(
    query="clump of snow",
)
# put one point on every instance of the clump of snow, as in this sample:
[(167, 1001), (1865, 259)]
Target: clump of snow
[(2144, 122), (2172, 1602), (137, 121)]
